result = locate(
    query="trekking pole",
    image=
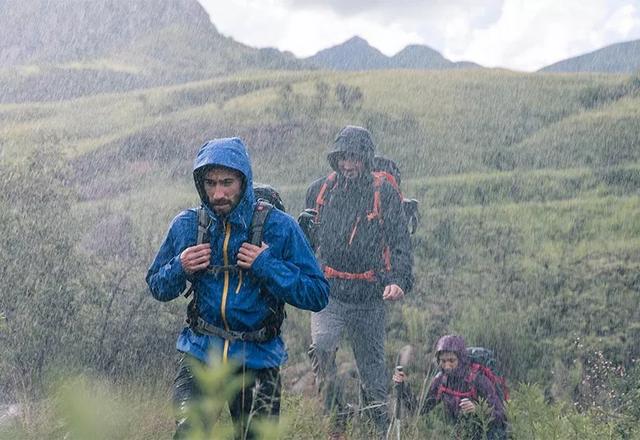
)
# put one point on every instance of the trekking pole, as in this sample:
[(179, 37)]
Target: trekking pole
[(398, 410)]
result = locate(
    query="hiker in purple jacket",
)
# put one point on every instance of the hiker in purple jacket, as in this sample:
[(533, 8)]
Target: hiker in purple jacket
[(458, 388)]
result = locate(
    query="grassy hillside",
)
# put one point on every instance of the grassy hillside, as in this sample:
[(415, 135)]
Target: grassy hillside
[(529, 189), (434, 123)]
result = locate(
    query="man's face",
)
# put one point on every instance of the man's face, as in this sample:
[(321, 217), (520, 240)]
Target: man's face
[(448, 361), (350, 166), (224, 189)]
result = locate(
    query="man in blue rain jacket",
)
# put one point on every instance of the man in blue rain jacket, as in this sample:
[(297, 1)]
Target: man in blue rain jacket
[(235, 284)]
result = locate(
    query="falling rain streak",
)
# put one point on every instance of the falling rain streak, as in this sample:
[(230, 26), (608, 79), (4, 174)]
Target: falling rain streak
[(528, 187)]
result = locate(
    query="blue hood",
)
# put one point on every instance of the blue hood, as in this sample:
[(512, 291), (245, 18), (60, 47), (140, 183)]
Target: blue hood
[(229, 153), (285, 272)]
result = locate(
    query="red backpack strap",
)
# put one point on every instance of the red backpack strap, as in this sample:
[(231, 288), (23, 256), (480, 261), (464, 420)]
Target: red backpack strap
[(442, 389), (496, 380), (457, 394), (471, 379)]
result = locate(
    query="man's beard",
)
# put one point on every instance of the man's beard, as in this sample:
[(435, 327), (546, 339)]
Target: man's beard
[(222, 207)]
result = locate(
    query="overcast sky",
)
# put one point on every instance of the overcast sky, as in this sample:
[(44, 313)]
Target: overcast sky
[(517, 34)]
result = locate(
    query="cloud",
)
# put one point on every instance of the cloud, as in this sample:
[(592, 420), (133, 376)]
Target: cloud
[(303, 30), (518, 34), (530, 35), (400, 10)]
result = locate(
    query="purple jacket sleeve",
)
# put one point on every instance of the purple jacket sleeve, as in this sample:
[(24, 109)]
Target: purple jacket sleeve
[(410, 400), (487, 391)]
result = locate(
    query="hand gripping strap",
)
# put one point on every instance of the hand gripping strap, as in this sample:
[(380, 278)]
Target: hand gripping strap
[(203, 235)]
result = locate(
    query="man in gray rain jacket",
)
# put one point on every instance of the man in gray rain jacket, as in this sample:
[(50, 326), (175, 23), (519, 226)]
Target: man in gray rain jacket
[(362, 241), (237, 285)]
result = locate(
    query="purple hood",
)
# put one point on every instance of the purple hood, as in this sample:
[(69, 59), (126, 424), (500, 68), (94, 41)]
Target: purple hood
[(454, 344)]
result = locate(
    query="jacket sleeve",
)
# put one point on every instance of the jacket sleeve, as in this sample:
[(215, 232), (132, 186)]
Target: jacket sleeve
[(397, 238), (166, 278), (296, 278), (411, 403), (312, 192), (487, 391)]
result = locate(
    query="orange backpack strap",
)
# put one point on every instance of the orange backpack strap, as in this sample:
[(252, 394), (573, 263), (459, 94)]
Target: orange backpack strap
[(391, 179), (327, 185), (378, 180)]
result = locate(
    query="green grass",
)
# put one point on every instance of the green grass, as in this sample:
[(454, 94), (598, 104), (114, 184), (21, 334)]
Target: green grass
[(97, 409), (530, 205)]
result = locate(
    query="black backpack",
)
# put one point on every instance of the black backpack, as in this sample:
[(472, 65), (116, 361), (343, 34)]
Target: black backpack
[(410, 206), (488, 364), (267, 198)]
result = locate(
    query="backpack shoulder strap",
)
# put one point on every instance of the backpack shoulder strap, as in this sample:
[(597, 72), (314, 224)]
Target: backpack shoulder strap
[(327, 185), (203, 236), (203, 225), (473, 372), (260, 214), (382, 176), (272, 324), (378, 181), (496, 380), (444, 389)]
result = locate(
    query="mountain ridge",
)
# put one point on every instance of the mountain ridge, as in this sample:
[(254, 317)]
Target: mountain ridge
[(154, 42), (357, 54), (621, 57)]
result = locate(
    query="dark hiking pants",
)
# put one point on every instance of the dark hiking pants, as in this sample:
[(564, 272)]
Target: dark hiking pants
[(364, 328), (259, 398)]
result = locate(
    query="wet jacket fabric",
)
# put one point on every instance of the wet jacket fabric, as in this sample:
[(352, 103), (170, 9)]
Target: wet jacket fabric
[(348, 241), (232, 299), (456, 380), (484, 387)]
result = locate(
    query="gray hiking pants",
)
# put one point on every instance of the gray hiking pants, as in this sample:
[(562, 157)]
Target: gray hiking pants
[(364, 327)]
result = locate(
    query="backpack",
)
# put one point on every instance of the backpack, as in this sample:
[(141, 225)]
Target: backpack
[(482, 360), (267, 198), (384, 169), (391, 172), (487, 364)]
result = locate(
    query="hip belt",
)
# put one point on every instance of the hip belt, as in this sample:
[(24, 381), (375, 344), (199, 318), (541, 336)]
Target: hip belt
[(369, 275), (261, 335)]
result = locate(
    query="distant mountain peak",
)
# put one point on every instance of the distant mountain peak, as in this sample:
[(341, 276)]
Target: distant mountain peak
[(356, 40), (357, 54), (355, 43), (354, 54), (88, 46), (615, 58), (39, 31)]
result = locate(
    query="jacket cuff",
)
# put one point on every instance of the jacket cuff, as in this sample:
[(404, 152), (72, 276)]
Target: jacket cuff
[(260, 266), (176, 269)]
